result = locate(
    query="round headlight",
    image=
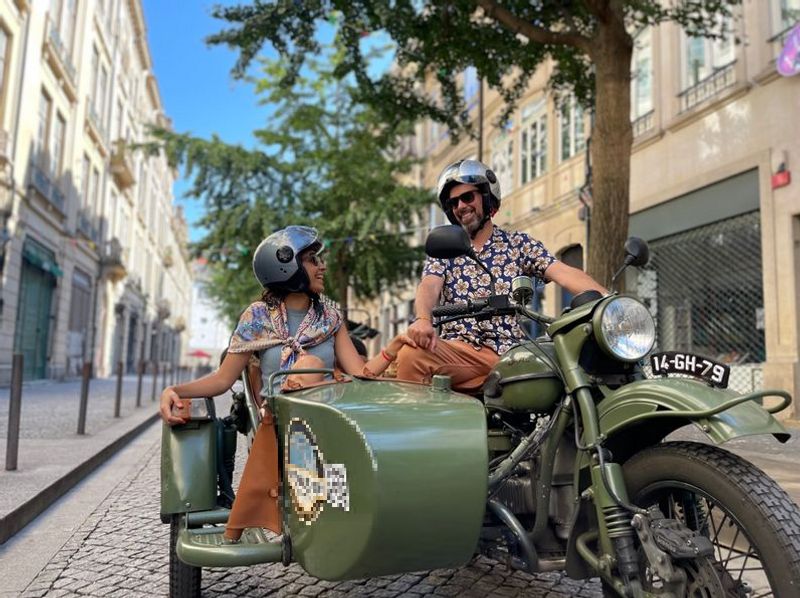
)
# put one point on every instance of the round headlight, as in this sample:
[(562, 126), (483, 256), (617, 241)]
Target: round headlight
[(625, 329)]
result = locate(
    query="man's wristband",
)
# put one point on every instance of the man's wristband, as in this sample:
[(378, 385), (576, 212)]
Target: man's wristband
[(422, 318), (388, 356)]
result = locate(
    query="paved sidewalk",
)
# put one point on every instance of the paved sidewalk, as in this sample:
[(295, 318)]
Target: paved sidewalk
[(52, 457)]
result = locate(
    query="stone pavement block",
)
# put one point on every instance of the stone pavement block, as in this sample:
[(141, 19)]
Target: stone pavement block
[(399, 586), (447, 591), (422, 589), (312, 590)]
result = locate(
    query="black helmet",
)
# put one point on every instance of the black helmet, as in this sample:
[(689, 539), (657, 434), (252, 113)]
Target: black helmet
[(276, 262), (470, 172)]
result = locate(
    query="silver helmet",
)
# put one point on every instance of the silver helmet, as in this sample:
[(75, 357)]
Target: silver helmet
[(276, 261), (469, 172)]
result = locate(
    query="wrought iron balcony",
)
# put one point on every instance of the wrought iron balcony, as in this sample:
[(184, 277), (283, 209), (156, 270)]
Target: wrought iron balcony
[(41, 182), (111, 260), (121, 165), (94, 126), (58, 58), (720, 79), (643, 124), (163, 308), (169, 260), (87, 225)]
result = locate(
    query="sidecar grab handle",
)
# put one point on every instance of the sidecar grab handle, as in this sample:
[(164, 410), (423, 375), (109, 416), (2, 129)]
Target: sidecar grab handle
[(281, 373)]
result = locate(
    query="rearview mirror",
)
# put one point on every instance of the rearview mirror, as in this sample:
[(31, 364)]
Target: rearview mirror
[(638, 254), (447, 242)]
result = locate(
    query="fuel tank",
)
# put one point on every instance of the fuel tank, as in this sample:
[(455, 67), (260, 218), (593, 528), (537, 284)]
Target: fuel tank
[(381, 477), (523, 380)]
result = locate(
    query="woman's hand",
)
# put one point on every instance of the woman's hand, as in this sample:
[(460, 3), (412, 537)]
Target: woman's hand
[(397, 343), (170, 399)]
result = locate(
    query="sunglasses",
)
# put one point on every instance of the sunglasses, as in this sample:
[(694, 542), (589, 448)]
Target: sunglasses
[(314, 259), (466, 198)]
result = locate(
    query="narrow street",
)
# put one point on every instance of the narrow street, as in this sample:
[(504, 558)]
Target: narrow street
[(104, 538)]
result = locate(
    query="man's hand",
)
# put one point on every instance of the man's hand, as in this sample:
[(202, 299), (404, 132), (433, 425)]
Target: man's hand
[(422, 333), (170, 398)]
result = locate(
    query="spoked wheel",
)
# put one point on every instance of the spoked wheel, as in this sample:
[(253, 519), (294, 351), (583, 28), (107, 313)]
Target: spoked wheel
[(184, 580), (752, 523)]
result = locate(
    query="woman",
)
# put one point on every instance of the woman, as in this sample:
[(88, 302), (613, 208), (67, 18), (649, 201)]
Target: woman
[(293, 326)]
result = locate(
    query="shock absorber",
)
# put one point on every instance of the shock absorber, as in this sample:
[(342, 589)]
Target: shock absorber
[(623, 537), (616, 513)]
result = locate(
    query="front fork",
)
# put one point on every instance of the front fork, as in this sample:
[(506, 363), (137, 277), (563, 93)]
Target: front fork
[(616, 537)]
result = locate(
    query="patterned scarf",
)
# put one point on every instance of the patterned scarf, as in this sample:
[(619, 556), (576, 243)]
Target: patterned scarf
[(265, 325)]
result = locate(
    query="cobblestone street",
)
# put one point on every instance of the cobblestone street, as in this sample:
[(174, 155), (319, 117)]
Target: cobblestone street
[(121, 550)]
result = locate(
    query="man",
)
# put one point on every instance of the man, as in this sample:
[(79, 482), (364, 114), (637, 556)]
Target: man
[(469, 193)]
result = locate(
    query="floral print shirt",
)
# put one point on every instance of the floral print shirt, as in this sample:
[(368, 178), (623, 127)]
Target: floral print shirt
[(507, 255)]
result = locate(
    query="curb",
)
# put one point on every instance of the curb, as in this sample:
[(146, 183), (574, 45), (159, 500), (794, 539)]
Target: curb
[(17, 519)]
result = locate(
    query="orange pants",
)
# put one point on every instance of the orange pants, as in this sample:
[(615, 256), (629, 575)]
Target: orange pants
[(466, 365)]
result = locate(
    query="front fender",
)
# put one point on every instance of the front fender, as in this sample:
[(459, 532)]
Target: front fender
[(664, 404), (643, 413)]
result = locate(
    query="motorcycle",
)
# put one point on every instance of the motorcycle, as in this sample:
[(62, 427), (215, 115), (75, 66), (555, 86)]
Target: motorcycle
[(560, 464)]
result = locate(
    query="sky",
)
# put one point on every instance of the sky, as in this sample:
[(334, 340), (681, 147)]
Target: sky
[(197, 89)]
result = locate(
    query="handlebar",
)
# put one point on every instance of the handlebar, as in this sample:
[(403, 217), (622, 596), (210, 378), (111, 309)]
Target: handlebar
[(458, 309), (483, 309)]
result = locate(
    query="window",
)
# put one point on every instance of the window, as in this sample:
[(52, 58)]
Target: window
[(95, 202), (471, 87), (785, 14), (120, 121), (95, 67), (62, 15), (642, 75), (4, 62), (100, 100), (43, 131), (503, 160), (573, 131), (702, 56), (533, 141), (572, 256), (59, 133), (85, 166)]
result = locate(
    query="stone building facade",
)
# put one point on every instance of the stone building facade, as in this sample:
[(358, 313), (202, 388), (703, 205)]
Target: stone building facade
[(92, 251), (714, 124)]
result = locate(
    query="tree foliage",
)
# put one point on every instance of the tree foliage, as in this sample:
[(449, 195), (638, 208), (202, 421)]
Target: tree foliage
[(323, 160), (589, 43)]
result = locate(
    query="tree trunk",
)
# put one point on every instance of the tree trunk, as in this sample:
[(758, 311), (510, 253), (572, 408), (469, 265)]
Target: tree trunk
[(612, 138)]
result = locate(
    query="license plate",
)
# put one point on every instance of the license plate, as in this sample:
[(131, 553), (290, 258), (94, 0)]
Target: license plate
[(676, 362)]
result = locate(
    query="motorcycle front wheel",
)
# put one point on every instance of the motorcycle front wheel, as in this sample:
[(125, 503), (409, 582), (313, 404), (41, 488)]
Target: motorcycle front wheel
[(751, 521)]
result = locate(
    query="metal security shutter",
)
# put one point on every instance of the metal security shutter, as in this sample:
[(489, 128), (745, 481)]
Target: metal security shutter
[(704, 288)]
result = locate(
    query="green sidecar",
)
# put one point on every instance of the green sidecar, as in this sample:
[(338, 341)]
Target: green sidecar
[(378, 477)]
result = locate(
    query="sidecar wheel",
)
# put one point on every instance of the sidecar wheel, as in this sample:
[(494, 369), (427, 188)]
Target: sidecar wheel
[(184, 580), (751, 521)]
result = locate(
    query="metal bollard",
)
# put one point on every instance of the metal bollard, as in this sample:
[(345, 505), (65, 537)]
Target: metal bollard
[(118, 397), (86, 374), (14, 408), (155, 381), (140, 374)]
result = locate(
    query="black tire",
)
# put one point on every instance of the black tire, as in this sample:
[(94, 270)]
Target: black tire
[(724, 485), (184, 580)]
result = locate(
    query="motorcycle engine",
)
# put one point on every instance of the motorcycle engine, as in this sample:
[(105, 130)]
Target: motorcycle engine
[(517, 491)]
